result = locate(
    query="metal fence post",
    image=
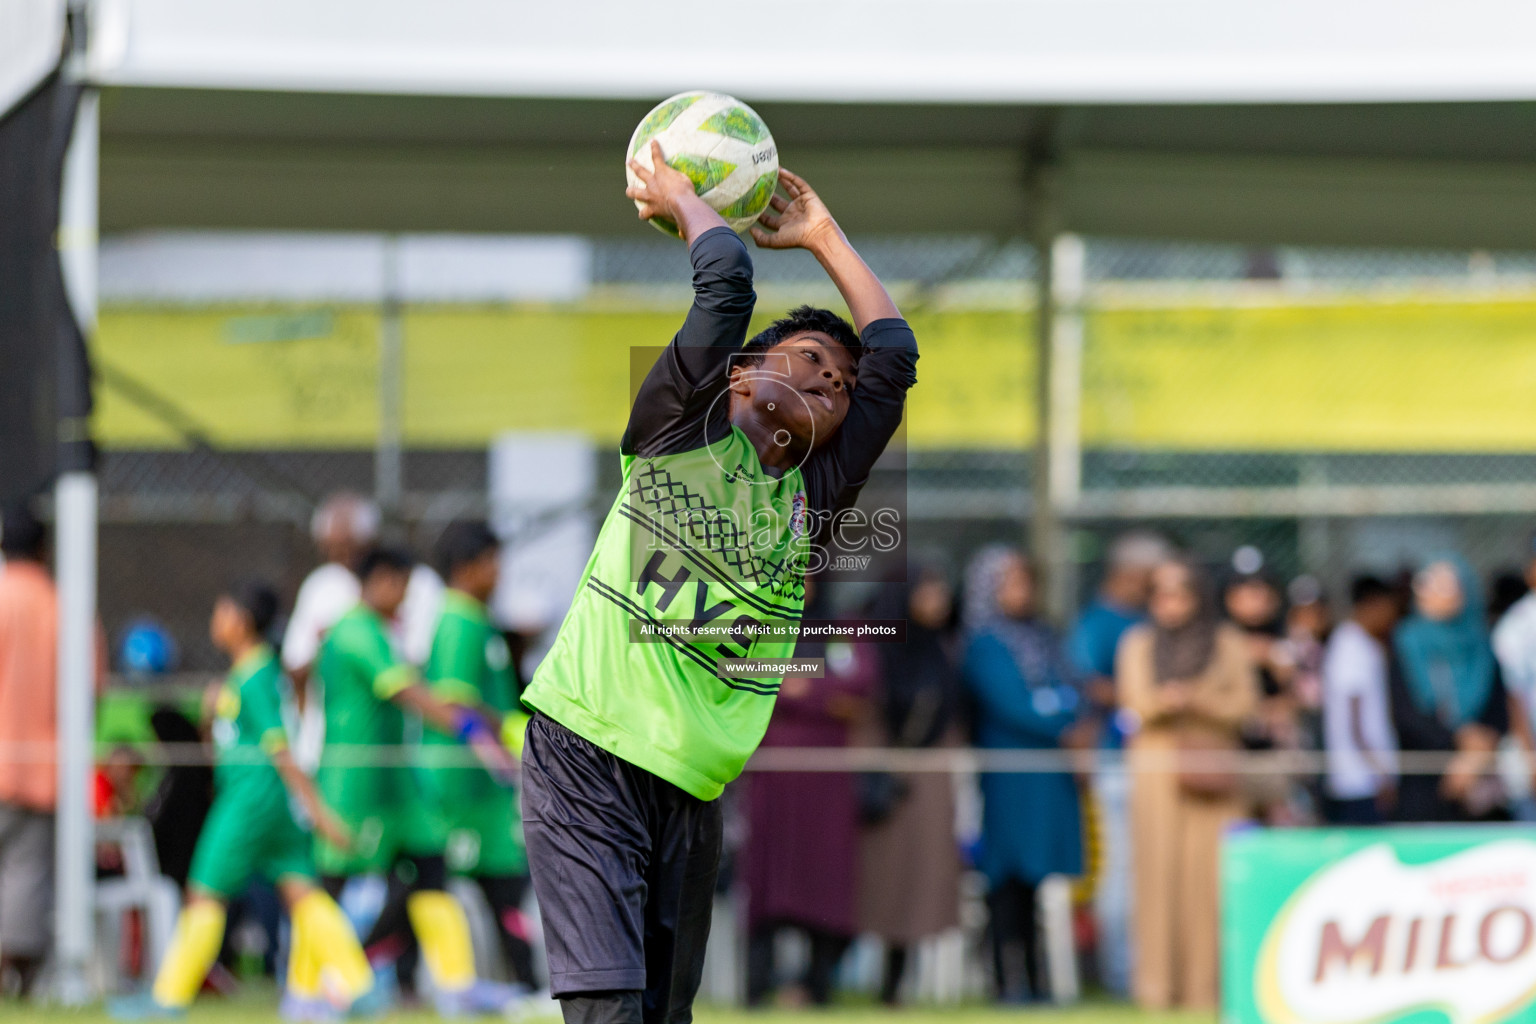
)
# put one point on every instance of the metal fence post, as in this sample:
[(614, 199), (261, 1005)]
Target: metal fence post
[(75, 523), (389, 472), (1058, 367)]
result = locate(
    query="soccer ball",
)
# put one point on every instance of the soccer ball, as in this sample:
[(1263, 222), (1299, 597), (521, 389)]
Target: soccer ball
[(721, 144)]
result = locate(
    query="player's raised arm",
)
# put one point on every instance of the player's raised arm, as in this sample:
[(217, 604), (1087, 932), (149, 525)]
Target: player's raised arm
[(887, 369), (664, 191), (803, 221), (672, 405)]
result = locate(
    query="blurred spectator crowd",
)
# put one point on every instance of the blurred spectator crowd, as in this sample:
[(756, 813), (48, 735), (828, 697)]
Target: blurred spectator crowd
[(1182, 701)]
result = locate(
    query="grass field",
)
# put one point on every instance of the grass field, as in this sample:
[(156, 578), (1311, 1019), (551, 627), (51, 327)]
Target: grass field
[(259, 1009)]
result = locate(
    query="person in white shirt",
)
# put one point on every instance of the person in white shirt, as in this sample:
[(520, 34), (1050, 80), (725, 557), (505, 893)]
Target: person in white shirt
[(1514, 643), (343, 527), (1358, 738), (417, 622)]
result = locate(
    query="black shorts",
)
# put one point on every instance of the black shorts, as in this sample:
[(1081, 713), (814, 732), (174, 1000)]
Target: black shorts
[(623, 864)]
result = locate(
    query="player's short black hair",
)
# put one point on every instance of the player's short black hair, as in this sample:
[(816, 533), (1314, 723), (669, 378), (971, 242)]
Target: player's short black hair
[(798, 321), (256, 599), (463, 542), (1369, 588), (384, 557), (21, 535)]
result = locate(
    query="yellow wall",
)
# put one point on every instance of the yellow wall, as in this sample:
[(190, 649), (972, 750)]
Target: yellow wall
[(1438, 375), (1417, 376)]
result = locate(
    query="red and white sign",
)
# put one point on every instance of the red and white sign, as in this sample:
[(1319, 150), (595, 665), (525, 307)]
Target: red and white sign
[(1371, 938)]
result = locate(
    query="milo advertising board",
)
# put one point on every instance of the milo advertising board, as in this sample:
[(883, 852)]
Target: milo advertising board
[(1370, 926)]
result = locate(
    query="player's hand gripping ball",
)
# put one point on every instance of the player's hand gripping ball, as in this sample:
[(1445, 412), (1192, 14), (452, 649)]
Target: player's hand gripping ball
[(723, 147)]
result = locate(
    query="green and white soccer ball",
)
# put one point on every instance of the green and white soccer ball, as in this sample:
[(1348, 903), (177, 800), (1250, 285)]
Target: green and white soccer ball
[(721, 144)]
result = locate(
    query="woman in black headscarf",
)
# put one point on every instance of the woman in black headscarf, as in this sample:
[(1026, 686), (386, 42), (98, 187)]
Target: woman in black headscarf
[(799, 865), (909, 882), (1025, 697)]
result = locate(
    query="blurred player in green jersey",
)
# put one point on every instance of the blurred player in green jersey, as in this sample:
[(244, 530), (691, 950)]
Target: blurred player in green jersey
[(251, 830), (470, 664), (369, 692)]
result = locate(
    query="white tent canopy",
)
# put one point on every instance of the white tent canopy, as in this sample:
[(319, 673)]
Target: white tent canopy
[(1377, 122), (31, 34), (885, 51)]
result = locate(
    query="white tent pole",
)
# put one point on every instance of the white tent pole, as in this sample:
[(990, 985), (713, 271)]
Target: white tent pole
[(75, 502), (75, 565)]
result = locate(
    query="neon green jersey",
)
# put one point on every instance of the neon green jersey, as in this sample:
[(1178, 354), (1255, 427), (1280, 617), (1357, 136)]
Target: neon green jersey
[(470, 660), (248, 729), (665, 553)]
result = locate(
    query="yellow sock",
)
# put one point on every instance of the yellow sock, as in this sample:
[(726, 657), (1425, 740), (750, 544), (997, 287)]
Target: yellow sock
[(514, 731), (303, 968), (194, 947), (443, 932), (334, 960)]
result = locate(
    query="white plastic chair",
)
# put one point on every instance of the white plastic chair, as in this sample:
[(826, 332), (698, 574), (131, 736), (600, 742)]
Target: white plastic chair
[(1055, 899), (141, 887)]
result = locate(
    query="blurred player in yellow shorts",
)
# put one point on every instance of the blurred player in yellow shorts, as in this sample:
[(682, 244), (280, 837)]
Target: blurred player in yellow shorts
[(372, 699), (251, 830)]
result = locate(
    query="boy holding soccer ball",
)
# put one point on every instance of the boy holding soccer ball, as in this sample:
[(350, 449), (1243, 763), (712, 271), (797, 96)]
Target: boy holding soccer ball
[(734, 458)]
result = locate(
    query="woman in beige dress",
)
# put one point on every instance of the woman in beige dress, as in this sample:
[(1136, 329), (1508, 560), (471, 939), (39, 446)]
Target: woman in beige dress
[(1188, 681)]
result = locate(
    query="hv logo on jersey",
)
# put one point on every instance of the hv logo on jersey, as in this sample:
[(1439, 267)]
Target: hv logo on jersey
[(660, 586)]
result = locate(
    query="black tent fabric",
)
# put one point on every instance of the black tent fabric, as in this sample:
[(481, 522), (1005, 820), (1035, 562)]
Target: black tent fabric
[(45, 381)]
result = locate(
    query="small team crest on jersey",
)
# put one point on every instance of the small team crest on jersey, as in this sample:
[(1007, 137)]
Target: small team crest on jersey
[(797, 514)]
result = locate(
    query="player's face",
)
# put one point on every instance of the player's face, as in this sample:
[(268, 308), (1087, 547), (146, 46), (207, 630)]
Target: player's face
[(384, 591), (805, 386), (478, 578), (226, 627)]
